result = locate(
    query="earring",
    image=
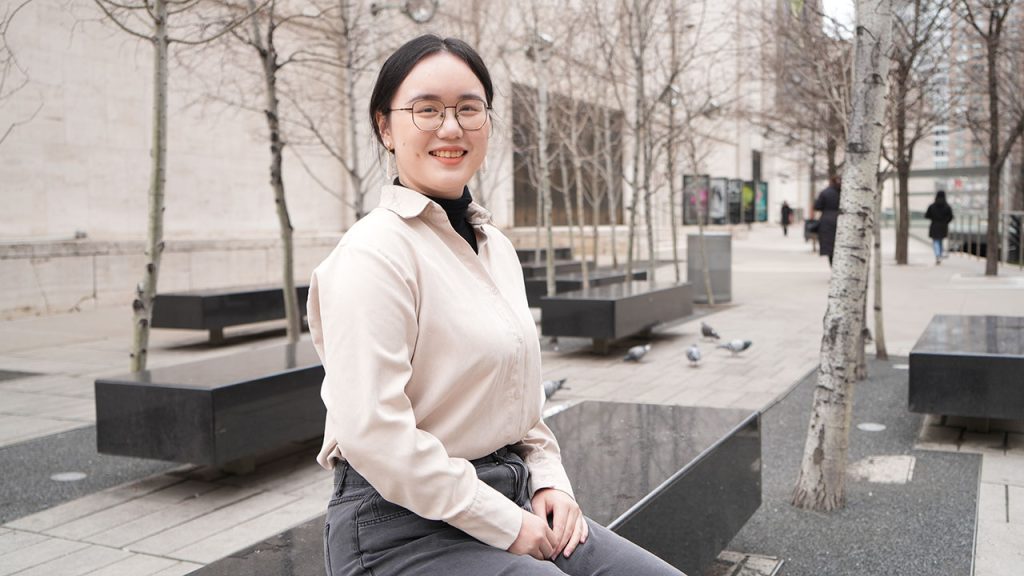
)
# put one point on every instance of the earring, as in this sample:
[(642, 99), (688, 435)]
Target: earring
[(483, 167), (390, 166)]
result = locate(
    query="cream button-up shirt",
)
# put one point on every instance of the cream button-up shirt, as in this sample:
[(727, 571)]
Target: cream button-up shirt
[(432, 359)]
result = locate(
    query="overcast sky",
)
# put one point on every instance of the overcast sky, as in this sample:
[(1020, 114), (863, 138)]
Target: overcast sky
[(841, 10)]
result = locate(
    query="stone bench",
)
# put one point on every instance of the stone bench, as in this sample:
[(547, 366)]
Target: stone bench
[(679, 481), (221, 412), (607, 313), (970, 366), (217, 308), (533, 270), (528, 255), (537, 288)]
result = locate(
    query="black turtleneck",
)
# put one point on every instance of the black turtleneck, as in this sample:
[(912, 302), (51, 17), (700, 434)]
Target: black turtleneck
[(456, 210)]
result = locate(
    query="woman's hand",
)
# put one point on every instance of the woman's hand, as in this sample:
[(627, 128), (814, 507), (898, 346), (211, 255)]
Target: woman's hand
[(567, 521), (535, 538)]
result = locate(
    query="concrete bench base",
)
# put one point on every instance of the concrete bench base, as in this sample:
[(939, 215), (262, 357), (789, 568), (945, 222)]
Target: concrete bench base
[(219, 412), (678, 481), (969, 366)]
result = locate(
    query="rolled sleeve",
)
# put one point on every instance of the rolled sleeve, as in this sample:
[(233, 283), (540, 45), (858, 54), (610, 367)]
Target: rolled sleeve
[(365, 328)]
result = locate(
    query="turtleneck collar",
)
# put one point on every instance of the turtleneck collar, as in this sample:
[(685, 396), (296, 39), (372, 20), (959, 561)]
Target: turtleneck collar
[(457, 211)]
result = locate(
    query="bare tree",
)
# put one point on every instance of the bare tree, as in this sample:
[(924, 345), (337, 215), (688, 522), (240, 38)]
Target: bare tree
[(919, 98), (987, 19), (820, 485), (150, 20), (13, 77), (263, 35)]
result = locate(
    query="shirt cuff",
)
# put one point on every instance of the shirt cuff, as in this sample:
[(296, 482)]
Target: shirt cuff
[(491, 518), (548, 473)]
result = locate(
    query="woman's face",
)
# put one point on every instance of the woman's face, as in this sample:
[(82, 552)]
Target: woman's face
[(437, 163)]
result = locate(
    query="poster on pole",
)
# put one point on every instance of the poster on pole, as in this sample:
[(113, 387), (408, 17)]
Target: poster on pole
[(734, 195), (748, 202), (717, 209), (695, 198), (761, 202)]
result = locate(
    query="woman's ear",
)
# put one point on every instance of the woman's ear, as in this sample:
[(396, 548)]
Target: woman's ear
[(385, 131)]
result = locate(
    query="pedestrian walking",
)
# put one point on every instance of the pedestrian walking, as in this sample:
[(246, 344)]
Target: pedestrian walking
[(442, 462), (828, 205), (786, 217), (941, 214)]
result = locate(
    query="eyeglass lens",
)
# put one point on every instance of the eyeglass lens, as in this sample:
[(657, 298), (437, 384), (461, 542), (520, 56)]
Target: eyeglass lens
[(428, 115)]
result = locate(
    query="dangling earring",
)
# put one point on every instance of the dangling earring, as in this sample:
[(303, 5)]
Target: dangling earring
[(483, 167), (390, 166)]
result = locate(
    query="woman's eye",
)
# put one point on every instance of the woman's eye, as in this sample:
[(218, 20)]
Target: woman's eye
[(470, 108), (427, 109)]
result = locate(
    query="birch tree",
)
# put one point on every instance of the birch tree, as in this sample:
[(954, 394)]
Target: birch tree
[(262, 35), (988, 19), (151, 21), (820, 485)]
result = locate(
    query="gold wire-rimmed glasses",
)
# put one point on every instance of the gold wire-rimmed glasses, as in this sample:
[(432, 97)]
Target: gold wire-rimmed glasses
[(429, 115)]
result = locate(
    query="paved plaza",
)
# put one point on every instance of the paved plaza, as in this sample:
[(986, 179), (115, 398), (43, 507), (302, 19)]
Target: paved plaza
[(183, 517)]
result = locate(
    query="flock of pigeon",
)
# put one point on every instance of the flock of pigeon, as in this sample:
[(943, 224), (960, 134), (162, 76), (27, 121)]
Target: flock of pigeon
[(636, 353)]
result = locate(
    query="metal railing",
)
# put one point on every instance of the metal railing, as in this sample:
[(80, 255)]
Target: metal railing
[(967, 235)]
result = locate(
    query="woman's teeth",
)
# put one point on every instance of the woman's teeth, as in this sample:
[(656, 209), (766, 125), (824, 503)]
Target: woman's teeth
[(448, 153)]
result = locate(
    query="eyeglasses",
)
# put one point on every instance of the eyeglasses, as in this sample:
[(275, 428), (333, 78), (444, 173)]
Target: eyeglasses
[(429, 115)]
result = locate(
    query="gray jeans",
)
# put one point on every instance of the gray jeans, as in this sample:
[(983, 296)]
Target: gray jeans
[(367, 535)]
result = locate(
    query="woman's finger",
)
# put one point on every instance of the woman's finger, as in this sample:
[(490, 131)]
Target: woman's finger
[(576, 538)]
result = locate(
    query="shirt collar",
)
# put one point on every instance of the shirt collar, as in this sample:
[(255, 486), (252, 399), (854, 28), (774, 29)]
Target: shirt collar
[(409, 203)]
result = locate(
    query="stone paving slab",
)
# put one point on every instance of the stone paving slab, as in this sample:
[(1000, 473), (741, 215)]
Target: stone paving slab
[(779, 297)]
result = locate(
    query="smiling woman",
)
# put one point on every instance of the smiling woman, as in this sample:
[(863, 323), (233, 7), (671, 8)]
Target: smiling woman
[(432, 384)]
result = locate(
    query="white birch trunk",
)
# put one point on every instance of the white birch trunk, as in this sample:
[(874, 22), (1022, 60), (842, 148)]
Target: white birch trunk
[(880, 352), (823, 468), (142, 306), (268, 58)]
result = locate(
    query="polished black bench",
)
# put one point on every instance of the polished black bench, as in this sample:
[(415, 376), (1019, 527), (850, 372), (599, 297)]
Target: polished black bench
[(221, 412), (533, 270), (214, 309), (612, 312), (527, 255), (970, 366), (679, 481), (536, 288)]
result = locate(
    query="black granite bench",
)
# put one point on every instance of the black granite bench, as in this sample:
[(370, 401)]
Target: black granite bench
[(607, 313), (527, 255), (679, 481), (217, 308), (971, 366), (220, 412), (536, 288), (533, 270)]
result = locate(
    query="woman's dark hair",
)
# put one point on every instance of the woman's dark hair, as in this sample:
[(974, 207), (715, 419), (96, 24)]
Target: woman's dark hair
[(940, 197), (399, 64)]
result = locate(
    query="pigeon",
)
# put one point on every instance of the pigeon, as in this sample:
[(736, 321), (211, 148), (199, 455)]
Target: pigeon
[(736, 346), (635, 353), (552, 386), (708, 332), (693, 355)]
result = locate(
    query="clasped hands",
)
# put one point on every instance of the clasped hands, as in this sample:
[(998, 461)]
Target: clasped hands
[(567, 530)]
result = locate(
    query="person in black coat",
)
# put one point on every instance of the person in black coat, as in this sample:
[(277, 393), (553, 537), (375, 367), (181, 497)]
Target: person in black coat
[(828, 204), (941, 215), (787, 217)]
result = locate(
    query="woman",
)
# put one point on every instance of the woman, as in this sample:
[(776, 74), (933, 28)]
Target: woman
[(941, 214), (442, 462), (828, 204)]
